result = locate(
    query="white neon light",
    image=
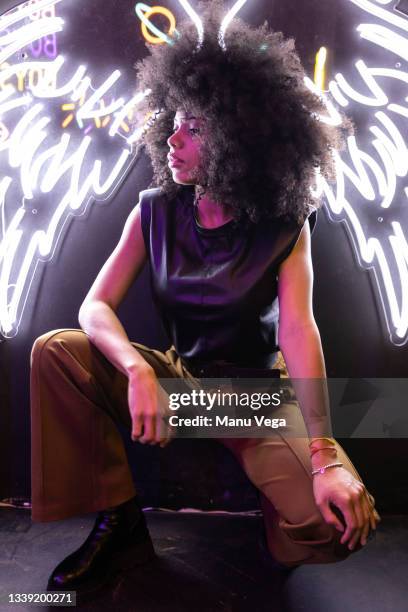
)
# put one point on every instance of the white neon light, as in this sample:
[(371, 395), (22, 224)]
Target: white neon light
[(136, 135), (81, 89), (374, 175), (43, 164), (43, 89), (334, 89), (6, 92), (21, 101), (227, 20), (333, 117), (13, 17), (87, 112), (4, 185), (32, 141), (387, 16), (8, 250), (50, 67), (379, 98), (369, 252), (395, 147), (400, 248), (195, 19), (31, 32), (125, 109), (384, 37)]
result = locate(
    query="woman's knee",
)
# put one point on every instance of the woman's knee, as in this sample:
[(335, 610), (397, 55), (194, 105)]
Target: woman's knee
[(321, 545), (47, 345)]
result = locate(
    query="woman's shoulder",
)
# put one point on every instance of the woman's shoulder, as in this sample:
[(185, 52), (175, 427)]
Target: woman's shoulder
[(151, 195), (158, 210), (154, 195)]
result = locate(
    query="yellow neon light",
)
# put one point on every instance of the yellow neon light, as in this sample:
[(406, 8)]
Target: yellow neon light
[(67, 120), (99, 123), (158, 10), (320, 71), (35, 76)]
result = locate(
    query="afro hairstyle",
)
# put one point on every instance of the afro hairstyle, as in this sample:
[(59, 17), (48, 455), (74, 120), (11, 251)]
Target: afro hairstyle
[(263, 137)]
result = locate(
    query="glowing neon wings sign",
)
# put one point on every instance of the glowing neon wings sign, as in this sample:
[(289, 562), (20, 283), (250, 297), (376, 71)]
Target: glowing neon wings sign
[(47, 163), (370, 194), (56, 118), (54, 122)]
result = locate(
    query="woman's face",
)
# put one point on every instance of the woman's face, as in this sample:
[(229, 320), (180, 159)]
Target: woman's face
[(185, 146)]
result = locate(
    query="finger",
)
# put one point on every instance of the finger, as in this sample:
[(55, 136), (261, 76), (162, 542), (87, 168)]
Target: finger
[(162, 432), (374, 516), (372, 511), (350, 520), (149, 426), (367, 525), (330, 517), (137, 423), (363, 507), (358, 501), (367, 522)]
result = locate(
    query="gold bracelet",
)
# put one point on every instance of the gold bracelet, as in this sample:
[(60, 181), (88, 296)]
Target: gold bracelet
[(330, 440)]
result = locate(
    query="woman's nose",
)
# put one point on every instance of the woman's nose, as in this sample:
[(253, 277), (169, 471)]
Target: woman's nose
[(175, 140)]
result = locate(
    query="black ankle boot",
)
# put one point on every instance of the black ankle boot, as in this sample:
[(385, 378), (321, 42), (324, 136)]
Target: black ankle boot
[(118, 541)]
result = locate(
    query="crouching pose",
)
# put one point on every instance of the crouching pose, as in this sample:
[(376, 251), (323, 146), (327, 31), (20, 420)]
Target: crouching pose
[(234, 139)]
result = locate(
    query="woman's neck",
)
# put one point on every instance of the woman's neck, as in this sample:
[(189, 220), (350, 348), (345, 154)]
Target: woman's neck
[(210, 214)]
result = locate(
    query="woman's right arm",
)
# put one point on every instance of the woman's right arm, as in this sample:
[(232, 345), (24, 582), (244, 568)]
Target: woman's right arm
[(98, 319)]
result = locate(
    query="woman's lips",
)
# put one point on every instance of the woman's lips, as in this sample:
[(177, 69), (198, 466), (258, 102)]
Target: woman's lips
[(174, 161)]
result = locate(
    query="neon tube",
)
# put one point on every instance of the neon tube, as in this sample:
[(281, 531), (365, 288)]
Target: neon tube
[(227, 20)]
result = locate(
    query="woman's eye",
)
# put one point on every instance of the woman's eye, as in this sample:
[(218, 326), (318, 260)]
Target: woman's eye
[(192, 131)]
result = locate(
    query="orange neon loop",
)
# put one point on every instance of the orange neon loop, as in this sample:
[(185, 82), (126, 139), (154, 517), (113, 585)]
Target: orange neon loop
[(158, 10)]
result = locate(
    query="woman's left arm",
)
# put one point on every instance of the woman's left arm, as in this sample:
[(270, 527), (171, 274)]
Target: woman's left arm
[(299, 337), (300, 343)]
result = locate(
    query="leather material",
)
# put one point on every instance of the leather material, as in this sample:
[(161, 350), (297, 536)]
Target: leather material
[(218, 369), (215, 289), (114, 544)]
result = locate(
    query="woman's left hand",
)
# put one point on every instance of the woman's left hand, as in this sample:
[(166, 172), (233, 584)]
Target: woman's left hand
[(339, 487)]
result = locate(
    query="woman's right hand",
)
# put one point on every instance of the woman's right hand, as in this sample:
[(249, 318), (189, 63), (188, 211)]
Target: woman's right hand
[(148, 407)]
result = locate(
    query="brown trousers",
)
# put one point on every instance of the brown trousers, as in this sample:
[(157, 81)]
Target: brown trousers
[(79, 464)]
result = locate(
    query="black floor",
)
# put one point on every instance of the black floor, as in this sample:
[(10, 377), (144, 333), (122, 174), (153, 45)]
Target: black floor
[(210, 563)]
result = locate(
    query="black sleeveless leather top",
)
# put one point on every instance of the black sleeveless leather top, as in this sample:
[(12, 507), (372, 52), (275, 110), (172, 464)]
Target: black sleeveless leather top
[(215, 289)]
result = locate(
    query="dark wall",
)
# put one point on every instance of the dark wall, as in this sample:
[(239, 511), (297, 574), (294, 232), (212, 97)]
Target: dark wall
[(347, 311)]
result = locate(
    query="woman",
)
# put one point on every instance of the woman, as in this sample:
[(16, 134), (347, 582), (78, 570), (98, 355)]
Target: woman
[(234, 141)]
